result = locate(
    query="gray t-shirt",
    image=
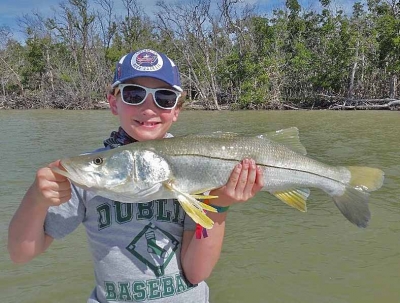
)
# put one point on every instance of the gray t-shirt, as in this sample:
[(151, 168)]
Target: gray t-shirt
[(135, 247)]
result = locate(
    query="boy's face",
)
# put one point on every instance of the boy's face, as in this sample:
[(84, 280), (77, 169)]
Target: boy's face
[(145, 121)]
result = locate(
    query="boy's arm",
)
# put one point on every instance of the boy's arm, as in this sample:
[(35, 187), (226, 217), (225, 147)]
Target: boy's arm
[(26, 236), (199, 256)]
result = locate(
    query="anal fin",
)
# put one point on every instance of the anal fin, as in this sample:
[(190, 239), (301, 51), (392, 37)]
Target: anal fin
[(295, 198)]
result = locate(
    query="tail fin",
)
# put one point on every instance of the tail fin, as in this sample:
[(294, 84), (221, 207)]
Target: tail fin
[(354, 202), (354, 206), (366, 178)]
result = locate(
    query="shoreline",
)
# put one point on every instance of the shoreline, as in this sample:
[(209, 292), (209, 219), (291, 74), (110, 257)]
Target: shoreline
[(26, 103)]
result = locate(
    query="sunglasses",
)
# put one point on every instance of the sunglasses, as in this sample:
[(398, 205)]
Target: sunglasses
[(134, 94)]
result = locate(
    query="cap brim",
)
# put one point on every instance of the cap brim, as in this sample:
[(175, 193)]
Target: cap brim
[(145, 74)]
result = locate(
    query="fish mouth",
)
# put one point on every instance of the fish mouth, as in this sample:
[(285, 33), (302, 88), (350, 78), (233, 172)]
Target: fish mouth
[(62, 170)]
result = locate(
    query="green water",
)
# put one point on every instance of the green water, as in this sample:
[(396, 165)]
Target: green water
[(271, 254)]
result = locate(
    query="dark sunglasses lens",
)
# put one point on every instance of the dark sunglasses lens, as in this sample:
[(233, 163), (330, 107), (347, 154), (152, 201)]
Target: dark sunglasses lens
[(165, 98), (133, 94)]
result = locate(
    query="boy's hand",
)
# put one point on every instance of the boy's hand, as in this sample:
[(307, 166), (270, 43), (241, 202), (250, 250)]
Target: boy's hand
[(50, 188), (244, 182)]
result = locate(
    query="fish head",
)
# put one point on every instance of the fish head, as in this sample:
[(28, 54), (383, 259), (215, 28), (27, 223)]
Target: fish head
[(98, 170), (118, 172)]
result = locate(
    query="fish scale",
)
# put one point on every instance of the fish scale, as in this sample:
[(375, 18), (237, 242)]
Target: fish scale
[(185, 167), (265, 153)]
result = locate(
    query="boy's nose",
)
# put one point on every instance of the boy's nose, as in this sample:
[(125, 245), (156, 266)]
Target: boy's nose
[(149, 104)]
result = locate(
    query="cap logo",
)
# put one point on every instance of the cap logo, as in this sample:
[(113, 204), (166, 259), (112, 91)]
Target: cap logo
[(147, 60)]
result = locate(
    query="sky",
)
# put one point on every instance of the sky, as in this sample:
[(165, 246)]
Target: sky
[(11, 10)]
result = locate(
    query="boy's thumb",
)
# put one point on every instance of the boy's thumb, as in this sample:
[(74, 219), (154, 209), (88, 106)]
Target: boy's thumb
[(56, 163), (57, 168)]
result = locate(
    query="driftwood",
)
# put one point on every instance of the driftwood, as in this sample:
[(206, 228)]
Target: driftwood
[(388, 104), (340, 103), (290, 107), (392, 105)]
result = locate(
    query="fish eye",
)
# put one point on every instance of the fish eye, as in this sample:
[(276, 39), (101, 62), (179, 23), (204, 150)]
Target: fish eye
[(97, 161)]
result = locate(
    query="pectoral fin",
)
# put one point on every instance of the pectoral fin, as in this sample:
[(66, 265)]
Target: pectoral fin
[(204, 197), (295, 198), (193, 207)]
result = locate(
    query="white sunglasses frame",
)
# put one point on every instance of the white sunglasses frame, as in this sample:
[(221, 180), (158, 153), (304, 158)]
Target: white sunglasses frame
[(148, 90)]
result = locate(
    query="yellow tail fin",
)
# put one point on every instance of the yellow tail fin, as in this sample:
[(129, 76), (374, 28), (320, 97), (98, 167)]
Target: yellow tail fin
[(353, 203), (366, 178)]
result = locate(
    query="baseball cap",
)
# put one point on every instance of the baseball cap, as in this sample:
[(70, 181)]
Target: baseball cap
[(147, 63)]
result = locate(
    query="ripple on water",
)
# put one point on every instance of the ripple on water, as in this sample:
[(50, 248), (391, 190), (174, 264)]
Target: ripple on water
[(271, 253)]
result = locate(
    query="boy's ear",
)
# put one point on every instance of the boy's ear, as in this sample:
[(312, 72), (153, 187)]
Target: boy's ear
[(177, 110), (112, 101)]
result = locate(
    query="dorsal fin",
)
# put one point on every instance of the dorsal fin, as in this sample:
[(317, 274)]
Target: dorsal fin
[(288, 137)]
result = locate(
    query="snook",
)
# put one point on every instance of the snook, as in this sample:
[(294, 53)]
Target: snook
[(185, 167)]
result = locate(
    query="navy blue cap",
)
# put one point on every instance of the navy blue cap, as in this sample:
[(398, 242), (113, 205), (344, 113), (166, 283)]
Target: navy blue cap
[(147, 63)]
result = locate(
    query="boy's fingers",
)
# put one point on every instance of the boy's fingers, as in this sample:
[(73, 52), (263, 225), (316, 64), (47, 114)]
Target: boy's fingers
[(259, 178), (251, 179), (258, 183), (64, 186), (241, 184), (234, 177), (65, 194)]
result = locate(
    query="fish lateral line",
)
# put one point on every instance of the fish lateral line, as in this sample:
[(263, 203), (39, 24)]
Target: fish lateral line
[(257, 163)]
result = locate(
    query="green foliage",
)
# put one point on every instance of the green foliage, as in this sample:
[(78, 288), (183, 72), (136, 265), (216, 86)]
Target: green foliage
[(246, 77), (294, 55), (388, 38), (34, 66), (66, 78)]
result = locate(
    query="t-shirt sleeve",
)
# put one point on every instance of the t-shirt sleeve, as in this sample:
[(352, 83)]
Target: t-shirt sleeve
[(64, 219), (188, 223)]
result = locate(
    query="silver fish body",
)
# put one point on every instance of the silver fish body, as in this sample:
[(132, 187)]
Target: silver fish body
[(185, 167)]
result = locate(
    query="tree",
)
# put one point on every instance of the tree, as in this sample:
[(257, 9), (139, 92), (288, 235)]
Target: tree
[(388, 31), (190, 28), (10, 63)]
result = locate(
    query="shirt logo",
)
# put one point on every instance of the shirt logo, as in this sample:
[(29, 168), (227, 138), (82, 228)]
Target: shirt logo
[(158, 253)]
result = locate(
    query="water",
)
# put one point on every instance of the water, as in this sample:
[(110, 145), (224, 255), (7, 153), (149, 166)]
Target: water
[(272, 253)]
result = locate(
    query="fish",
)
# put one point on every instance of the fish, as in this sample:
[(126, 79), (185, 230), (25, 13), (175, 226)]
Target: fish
[(186, 168)]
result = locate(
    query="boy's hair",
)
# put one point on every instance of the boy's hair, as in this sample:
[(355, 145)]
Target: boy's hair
[(147, 63)]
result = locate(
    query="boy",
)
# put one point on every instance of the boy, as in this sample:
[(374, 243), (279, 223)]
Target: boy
[(142, 251)]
